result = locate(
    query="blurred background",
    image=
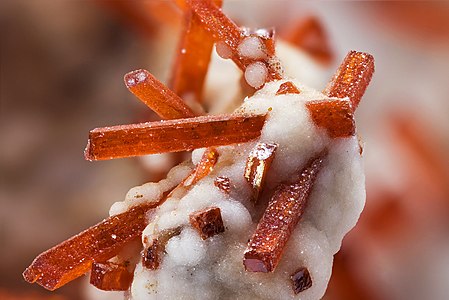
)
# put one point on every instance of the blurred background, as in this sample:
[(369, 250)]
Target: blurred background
[(62, 66)]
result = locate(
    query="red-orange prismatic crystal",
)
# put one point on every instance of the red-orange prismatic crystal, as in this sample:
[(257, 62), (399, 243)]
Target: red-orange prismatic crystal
[(223, 183), (172, 135), (257, 166), (110, 276), (301, 280), (352, 77), (287, 88), (207, 222), (152, 254), (204, 167), (193, 56), (279, 219), (156, 95), (74, 257), (217, 23), (336, 116)]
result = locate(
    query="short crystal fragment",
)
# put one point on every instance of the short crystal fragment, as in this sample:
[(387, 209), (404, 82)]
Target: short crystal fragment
[(204, 167), (109, 276), (74, 257), (352, 77), (172, 135), (287, 88), (284, 210), (301, 280), (336, 116), (207, 222), (152, 254), (257, 166), (223, 183), (156, 95)]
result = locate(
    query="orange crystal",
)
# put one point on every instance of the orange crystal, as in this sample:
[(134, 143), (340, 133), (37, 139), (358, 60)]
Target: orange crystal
[(336, 116), (109, 276), (284, 210), (204, 167), (207, 222), (193, 56), (257, 166), (287, 88), (152, 255), (217, 23), (225, 30), (223, 183), (172, 135), (352, 77), (74, 257), (156, 95), (301, 280)]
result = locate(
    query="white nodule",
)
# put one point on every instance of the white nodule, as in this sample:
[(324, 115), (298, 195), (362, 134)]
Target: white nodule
[(256, 74), (141, 76), (252, 48)]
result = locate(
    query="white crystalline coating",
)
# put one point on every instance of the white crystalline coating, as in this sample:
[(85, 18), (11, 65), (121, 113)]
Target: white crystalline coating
[(152, 191), (256, 74), (223, 50), (263, 151), (252, 48), (265, 32), (187, 249), (137, 78), (141, 76), (131, 81), (213, 269)]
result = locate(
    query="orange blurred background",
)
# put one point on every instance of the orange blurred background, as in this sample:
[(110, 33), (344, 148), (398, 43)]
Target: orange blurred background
[(62, 67)]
